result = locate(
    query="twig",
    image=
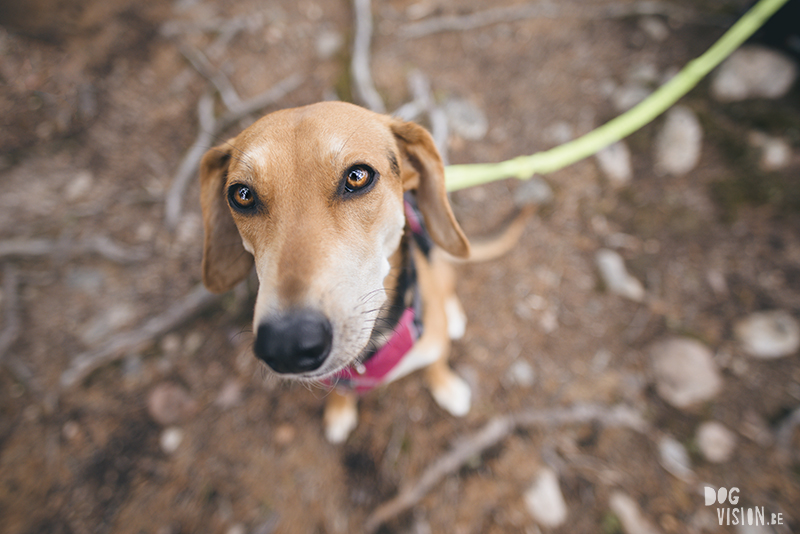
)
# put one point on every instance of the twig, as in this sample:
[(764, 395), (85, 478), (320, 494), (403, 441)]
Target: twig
[(83, 364), (492, 433), (11, 320), (200, 62), (101, 245), (210, 129), (361, 72), (421, 91), (785, 433), (497, 15)]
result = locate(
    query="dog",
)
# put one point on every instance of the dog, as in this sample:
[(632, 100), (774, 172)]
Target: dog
[(344, 214)]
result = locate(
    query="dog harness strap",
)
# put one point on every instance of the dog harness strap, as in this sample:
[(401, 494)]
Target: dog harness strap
[(370, 373)]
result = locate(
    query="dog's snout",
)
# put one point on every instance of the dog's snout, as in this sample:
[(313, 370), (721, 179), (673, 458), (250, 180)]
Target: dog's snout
[(297, 342)]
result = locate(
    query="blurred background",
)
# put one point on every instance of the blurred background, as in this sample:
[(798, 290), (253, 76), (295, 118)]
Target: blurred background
[(659, 280)]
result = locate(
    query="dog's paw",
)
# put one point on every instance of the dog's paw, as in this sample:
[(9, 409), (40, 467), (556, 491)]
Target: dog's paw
[(340, 421), (454, 395), (456, 318)]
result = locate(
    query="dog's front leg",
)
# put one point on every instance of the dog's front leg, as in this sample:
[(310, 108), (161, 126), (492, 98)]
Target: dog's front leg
[(341, 415)]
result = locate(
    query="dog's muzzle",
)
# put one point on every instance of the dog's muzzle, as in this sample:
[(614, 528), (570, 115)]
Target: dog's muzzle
[(297, 342)]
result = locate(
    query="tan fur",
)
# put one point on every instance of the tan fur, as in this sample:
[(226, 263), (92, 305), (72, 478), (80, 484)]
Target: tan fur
[(314, 249)]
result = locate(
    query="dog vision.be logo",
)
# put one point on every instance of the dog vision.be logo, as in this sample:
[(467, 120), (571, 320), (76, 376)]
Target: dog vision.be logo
[(732, 515)]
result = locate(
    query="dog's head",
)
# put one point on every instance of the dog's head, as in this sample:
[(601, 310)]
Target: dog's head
[(313, 196)]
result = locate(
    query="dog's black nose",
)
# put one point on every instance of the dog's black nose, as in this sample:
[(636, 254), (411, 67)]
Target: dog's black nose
[(297, 342)]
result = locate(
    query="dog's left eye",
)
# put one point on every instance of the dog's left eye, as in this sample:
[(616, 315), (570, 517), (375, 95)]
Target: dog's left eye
[(358, 178)]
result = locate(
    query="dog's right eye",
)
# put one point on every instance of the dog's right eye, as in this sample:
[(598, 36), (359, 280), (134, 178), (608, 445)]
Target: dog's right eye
[(241, 198)]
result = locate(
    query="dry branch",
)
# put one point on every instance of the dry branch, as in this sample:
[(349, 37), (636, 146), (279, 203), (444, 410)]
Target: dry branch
[(201, 63), (491, 434), (100, 245), (11, 322), (479, 19), (84, 364), (210, 129), (360, 65)]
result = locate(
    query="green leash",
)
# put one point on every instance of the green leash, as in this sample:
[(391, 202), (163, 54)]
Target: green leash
[(523, 167)]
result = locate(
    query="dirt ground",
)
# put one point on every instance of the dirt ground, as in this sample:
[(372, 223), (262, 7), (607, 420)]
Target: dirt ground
[(97, 108)]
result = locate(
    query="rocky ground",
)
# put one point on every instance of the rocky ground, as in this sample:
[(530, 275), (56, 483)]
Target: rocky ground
[(639, 345)]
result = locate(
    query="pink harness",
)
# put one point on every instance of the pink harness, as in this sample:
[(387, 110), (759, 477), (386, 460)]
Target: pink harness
[(363, 377)]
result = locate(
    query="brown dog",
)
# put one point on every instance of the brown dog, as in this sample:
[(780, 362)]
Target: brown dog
[(325, 201)]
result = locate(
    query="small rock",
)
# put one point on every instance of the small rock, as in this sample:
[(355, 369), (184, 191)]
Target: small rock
[(328, 43), (716, 442), (238, 528), (753, 71), (466, 119), (171, 344), (533, 191), (615, 163), (71, 430), (521, 373), (654, 28), (753, 529), (679, 143), (545, 501), (616, 277), (685, 372), (230, 394), (559, 132), (770, 334), (775, 152), (674, 458), (169, 403), (171, 439), (80, 185), (284, 434), (627, 96), (629, 515)]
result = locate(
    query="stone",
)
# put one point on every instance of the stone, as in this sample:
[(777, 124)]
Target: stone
[(170, 439), (168, 403), (626, 509), (679, 143), (753, 71), (533, 191), (466, 119), (776, 153), (545, 501), (230, 394), (616, 277), (328, 43), (769, 334), (628, 96), (615, 163), (685, 372), (716, 442), (674, 458), (521, 373)]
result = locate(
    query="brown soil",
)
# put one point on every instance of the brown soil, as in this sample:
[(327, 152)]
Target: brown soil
[(97, 108)]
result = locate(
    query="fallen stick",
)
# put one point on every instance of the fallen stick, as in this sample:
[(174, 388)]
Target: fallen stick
[(202, 65), (11, 320), (492, 433), (480, 19), (84, 364), (100, 245), (360, 65)]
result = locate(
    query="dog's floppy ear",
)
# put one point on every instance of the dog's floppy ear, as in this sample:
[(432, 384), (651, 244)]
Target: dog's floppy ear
[(422, 169), (225, 261)]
